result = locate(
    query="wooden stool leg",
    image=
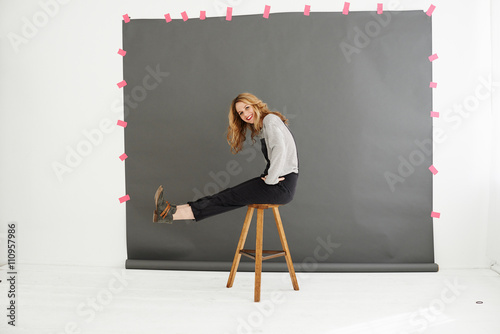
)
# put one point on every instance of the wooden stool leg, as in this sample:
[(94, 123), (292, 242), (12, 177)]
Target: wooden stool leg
[(284, 244), (241, 244), (258, 253)]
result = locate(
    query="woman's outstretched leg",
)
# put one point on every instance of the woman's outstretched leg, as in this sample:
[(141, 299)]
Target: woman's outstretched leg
[(253, 191)]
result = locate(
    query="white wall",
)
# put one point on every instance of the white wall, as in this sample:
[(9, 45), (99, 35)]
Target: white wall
[(461, 37), (61, 84), (494, 223)]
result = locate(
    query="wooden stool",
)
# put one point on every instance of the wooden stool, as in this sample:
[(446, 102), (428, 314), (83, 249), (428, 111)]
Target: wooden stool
[(256, 253)]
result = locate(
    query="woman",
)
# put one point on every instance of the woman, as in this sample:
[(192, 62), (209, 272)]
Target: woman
[(275, 186)]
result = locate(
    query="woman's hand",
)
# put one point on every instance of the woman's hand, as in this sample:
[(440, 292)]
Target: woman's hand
[(279, 179)]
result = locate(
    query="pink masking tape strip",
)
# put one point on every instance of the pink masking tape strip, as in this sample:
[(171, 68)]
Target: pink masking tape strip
[(229, 13), (123, 157), (122, 52), (184, 16), (121, 123), (435, 214), (124, 198), (434, 114), (433, 169), (430, 10), (267, 9), (203, 15), (433, 57), (433, 84), (307, 10), (167, 18), (380, 8), (121, 84), (346, 8), (126, 18)]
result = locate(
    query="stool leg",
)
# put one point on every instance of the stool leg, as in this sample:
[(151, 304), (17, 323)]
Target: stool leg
[(258, 253), (284, 244), (241, 244)]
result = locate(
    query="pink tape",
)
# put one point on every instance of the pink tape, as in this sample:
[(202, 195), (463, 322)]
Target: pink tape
[(433, 169), (124, 198), (434, 114), (307, 10), (433, 84), (123, 157), (380, 8), (435, 214), (184, 16), (167, 18), (121, 123), (126, 18), (229, 13), (203, 15), (430, 10), (267, 9), (122, 52), (433, 57), (121, 84), (346, 8)]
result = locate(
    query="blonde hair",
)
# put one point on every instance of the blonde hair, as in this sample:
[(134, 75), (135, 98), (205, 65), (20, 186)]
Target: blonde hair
[(237, 129)]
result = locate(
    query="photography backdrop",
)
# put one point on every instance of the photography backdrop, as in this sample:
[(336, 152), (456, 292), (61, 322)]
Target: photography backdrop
[(60, 85), (356, 91)]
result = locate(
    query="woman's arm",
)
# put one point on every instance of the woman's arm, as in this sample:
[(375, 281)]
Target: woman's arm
[(277, 152)]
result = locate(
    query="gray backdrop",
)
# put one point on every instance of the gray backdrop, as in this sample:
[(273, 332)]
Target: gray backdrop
[(356, 91)]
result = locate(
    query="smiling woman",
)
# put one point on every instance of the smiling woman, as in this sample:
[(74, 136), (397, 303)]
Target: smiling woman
[(245, 111), (276, 185)]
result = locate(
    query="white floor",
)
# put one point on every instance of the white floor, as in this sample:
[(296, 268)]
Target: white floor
[(56, 300)]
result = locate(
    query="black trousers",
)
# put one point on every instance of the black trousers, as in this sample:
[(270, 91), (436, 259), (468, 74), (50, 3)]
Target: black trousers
[(253, 191)]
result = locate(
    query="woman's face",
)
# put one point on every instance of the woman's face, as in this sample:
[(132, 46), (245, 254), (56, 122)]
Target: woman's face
[(245, 111)]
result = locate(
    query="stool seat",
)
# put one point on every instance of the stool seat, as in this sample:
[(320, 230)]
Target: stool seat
[(263, 206), (257, 253)]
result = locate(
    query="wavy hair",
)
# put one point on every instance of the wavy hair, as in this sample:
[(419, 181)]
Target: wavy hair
[(237, 129)]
